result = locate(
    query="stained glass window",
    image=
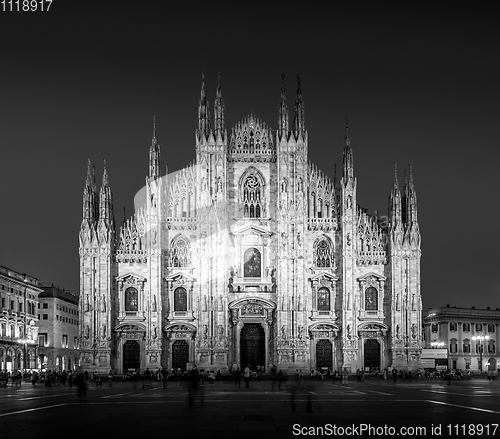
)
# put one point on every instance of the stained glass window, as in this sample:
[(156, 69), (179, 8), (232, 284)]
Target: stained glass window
[(323, 299), (131, 299), (252, 206), (180, 299), (180, 254), (323, 254)]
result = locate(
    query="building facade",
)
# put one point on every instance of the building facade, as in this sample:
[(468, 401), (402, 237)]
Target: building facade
[(18, 320), (251, 255), (58, 333), (470, 335)]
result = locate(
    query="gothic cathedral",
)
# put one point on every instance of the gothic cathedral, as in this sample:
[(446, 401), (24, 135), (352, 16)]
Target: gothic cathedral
[(250, 256)]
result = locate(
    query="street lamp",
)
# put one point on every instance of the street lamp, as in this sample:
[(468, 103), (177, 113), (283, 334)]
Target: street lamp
[(480, 338)]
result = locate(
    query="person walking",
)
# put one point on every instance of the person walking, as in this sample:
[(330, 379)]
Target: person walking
[(345, 377), (246, 375), (237, 378), (164, 377), (110, 377), (81, 385), (394, 374)]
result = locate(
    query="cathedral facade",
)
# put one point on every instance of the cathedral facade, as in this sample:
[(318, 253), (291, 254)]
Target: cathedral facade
[(250, 256)]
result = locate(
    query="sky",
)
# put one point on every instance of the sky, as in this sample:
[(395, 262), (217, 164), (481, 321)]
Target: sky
[(418, 85)]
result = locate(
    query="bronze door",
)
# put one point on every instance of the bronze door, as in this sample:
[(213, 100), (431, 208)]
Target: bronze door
[(131, 355), (324, 354), (180, 354), (372, 354), (252, 346)]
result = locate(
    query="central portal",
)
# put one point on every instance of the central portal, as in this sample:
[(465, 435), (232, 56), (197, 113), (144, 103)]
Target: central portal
[(252, 346)]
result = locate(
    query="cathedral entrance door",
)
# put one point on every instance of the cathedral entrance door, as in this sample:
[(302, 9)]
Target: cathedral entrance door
[(131, 355), (372, 354), (252, 346), (324, 354), (180, 354)]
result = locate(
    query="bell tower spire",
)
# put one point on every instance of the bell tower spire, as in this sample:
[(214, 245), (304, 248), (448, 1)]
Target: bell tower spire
[(154, 155), (219, 120), (90, 197), (203, 113), (348, 161), (283, 128), (299, 127)]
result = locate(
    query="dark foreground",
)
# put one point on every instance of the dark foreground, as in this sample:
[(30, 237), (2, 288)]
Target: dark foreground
[(428, 407)]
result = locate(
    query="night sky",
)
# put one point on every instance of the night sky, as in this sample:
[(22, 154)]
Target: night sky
[(419, 85)]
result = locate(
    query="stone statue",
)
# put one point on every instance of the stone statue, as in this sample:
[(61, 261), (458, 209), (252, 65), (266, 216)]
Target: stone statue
[(103, 331), (300, 331), (283, 332)]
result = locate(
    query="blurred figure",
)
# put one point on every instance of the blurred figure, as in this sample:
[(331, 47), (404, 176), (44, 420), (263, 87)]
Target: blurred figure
[(164, 377), (110, 378), (310, 388), (274, 376), (345, 377), (81, 385), (237, 378), (246, 375)]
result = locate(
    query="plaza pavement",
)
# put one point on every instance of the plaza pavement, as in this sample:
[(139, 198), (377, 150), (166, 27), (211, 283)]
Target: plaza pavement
[(221, 412)]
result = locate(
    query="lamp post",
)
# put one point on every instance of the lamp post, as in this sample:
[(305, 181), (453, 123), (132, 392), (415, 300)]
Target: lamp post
[(480, 338)]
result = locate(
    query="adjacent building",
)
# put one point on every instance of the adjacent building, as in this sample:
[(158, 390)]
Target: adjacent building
[(471, 336), (250, 256), (18, 320), (58, 332)]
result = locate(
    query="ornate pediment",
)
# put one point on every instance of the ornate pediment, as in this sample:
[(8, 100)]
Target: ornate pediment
[(128, 327), (180, 278), (252, 230), (131, 280), (320, 277), (371, 277), (323, 330), (180, 327), (251, 308), (372, 329)]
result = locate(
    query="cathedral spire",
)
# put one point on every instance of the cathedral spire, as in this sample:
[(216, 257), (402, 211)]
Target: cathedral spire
[(283, 128), (154, 155), (90, 196), (410, 199), (348, 162), (395, 214), (299, 127), (219, 120), (106, 215), (203, 113)]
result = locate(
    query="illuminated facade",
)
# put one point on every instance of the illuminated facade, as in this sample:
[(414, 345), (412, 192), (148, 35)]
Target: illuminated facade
[(459, 329), (18, 320), (251, 255)]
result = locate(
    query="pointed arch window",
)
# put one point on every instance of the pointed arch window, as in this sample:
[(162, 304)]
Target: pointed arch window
[(252, 203), (252, 265), (323, 299), (371, 299), (323, 254), (131, 299), (180, 299), (180, 254)]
